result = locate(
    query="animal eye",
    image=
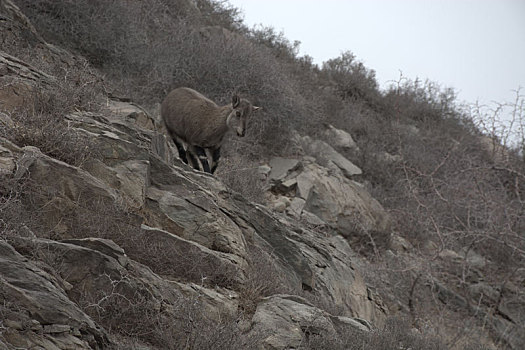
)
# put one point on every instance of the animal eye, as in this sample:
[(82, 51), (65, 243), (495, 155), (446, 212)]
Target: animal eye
[(238, 114)]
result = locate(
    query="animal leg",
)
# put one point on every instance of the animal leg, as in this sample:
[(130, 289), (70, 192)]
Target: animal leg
[(214, 156), (193, 159), (209, 158), (201, 153), (182, 150)]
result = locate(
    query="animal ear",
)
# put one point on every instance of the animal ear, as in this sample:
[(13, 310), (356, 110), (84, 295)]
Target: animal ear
[(235, 101)]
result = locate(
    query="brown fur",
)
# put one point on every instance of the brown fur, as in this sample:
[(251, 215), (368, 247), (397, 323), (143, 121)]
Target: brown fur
[(196, 121)]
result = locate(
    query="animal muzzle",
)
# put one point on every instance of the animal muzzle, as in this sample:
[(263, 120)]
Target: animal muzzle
[(241, 132)]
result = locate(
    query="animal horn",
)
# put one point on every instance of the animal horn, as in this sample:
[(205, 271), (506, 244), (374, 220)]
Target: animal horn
[(255, 108), (235, 101)]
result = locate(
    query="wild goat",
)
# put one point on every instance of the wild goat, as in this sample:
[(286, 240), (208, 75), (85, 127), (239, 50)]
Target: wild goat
[(197, 125)]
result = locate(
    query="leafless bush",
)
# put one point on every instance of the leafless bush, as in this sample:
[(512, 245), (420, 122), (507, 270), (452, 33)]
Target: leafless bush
[(148, 49), (396, 334), (187, 263), (27, 206), (121, 306), (184, 263), (276, 41), (220, 13), (446, 189), (263, 278), (183, 325), (455, 197), (241, 175), (351, 79), (41, 121), (11, 207)]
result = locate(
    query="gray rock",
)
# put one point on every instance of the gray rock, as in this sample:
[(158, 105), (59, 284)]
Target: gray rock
[(352, 322), (193, 215), (128, 112), (310, 260), (190, 213), (105, 246), (285, 187), (195, 231), (216, 302), (305, 182), (484, 293), (339, 138), (281, 167), (324, 153), (287, 319), (208, 263), (296, 206), (448, 296), (312, 219), (7, 161), (264, 170), (57, 328), (340, 202), (34, 290)]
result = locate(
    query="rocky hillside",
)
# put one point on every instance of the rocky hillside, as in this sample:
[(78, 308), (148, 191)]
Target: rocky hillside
[(109, 241)]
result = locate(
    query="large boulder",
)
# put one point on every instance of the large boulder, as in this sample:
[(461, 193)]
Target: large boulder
[(328, 157), (339, 138), (289, 320), (343, 204), (320, 265), (18, 82), (37, 312)]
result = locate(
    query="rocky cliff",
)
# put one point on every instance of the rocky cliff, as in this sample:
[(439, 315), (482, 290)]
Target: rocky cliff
[(119, 244), (136, 233)]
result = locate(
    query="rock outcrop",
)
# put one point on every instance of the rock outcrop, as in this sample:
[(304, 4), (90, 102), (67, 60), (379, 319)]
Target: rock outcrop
[(191, 213), (322, 197), (128, 242), (36, 311), (287, 318), (136, 229)]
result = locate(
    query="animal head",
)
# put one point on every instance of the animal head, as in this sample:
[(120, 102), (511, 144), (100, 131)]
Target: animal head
[(242, 110)]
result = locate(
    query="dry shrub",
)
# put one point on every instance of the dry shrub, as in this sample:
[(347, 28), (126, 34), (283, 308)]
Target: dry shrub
[(396, 334), (241, 175), (183, 325), (27, 206), (194, 330), (263, 278), (41, 121), (188, 264), (185, 264), (11, 208), (351, 79), (122, 307), (147, 49), (445, 188)]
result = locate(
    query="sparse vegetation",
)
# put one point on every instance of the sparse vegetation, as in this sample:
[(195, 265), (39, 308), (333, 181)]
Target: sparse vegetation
[(456, 186), (396, 334), (263, 279), (124, 307)]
